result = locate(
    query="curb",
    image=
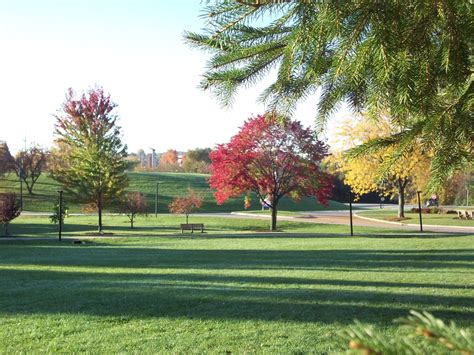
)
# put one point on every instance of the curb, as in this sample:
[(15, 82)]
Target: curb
[(471, 229)]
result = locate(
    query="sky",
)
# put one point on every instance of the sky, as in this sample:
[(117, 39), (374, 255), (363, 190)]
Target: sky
[(134, 49)]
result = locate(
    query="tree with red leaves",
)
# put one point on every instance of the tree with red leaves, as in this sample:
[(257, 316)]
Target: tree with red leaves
[(89, 157), (273, 157), (133, 204), (186, 205), (9, 209)]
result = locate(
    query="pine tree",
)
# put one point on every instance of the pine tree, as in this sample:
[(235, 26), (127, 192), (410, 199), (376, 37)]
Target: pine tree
[(89, 159), (410, 58)]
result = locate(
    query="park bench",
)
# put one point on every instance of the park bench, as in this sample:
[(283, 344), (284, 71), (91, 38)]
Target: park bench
[(465, 214), (192, 227)]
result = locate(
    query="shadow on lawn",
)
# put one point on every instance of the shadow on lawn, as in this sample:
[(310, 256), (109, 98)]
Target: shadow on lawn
[(196, 291), (205, 296)]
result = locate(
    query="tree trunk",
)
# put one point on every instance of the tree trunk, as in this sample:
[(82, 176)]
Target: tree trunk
[(6, 229), (131, 221), (401, 198), (99, 210), (187, 216), (274, 217), (29, 188)]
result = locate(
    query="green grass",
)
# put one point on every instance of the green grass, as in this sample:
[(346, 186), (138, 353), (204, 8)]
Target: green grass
[(413, 218), (222, 291), (119, 226), (172, 185)]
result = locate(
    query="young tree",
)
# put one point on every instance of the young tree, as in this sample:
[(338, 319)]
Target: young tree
[(90, 159), (412, 57), (9, 209), (6, 160), (271, 156), (29, 165), (362, 173), (133, 204), (186, 205)]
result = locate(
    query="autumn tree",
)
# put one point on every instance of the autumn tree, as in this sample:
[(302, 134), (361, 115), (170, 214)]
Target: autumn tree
[(412, 57), (273, 157), (89, 156), (197, 160), (29, 165), (9, 209), (6, 159), (133, 203), (366, 174), (186, 205), (170, 157)]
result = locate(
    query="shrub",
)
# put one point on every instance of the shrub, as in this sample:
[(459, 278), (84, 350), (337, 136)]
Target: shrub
[(9, 209)]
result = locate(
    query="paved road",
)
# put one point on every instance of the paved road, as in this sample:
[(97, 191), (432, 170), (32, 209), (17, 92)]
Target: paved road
[(330, 217)]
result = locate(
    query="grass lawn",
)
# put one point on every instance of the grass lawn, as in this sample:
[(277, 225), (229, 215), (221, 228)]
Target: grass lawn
[(171, 186), (413, 218), (221, 291)]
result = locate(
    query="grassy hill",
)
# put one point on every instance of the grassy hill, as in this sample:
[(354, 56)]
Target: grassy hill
[(171, 185)]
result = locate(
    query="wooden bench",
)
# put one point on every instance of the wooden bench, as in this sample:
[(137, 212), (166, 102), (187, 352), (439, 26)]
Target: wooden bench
[(465, 214), (192, 227)]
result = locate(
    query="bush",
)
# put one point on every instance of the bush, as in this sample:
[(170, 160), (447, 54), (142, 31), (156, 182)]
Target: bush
[(9, 209)]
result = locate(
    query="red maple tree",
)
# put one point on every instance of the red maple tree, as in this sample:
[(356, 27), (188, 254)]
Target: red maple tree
[(273, 157), (186, 205)]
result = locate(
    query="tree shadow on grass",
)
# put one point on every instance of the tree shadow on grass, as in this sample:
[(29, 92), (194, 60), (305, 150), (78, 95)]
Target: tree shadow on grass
[(214, 297)]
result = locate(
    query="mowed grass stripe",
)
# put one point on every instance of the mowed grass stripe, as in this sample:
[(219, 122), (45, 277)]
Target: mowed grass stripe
[(213, 293)]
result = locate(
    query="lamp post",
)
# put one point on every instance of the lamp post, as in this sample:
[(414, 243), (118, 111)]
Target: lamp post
[(21, 176), (60, 192), (419, 210), (350, 212)]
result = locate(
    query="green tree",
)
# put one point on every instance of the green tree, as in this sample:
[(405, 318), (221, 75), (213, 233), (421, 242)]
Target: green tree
[(197, 160), (410, 57), (89, 159)]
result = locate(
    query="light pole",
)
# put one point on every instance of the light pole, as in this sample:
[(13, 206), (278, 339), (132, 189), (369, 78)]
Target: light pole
[(350, 212), (60, 192), (419, 210), (22, 176)]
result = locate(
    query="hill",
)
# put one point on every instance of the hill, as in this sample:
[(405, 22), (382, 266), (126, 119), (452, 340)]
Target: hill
[(170, 185)]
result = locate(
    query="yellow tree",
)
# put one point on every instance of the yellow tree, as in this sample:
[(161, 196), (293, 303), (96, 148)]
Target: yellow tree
[(406, 175)]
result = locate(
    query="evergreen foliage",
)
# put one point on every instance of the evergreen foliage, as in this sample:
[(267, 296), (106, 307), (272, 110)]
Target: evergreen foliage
[(89, 159), (411, 58), (437, 335)]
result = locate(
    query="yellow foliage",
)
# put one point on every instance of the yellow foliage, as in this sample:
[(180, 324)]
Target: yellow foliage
[(363, 173)]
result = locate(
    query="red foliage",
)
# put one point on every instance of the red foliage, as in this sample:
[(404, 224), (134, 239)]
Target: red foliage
[(9, 209), (90, 113), (186, 205), (273, 156), (133, 204)]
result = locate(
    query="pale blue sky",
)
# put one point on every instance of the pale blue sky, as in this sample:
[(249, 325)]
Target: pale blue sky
[(135, 50)]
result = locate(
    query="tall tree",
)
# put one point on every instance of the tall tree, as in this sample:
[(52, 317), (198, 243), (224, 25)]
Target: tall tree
[(89, 159), (273, 157), (29, 165), (406, 176), (410, 57)]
